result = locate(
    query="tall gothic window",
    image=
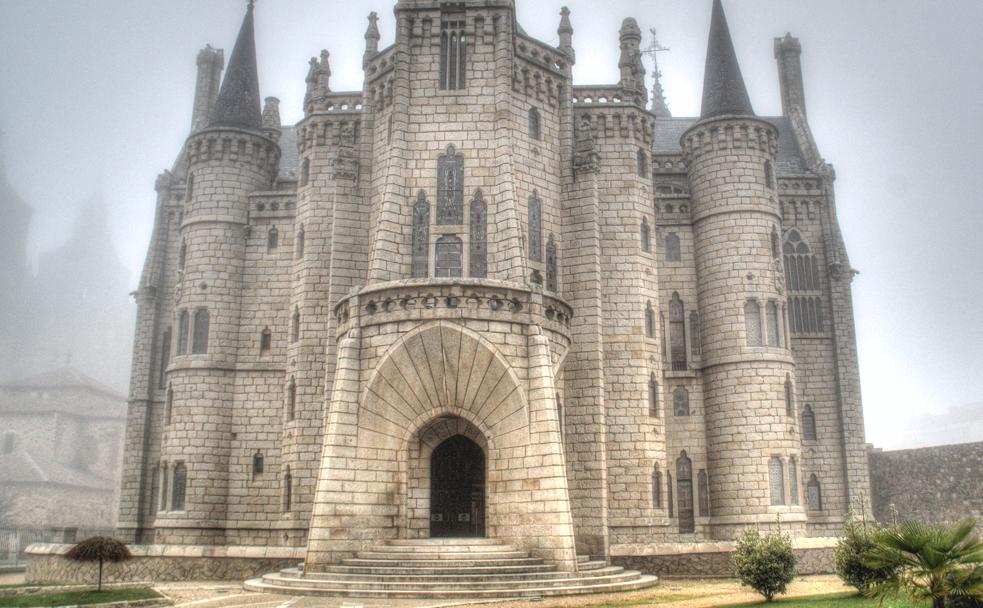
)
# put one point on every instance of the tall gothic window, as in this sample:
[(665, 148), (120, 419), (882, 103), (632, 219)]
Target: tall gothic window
[(789, 396), (288, 490), (190, 190), (182, 255), (669, 500), (673, 250), (272, 238), (793, 481), (265, 341), (299, 243), (291, 407), (257, 464), (695, 337), (656, 487), (559, 413), (535, 228), (769, 175), (421, 237), (478, 245), (653, 396), (677, 333), (551, 278), (803, 278), (645, 235), (680, 402), (775, 249), (305, 172), (165, 357), (447, 256), (771, 312), (199, 339), (752, 322), (179, 483), (165, 478), (168, 405), (295, 325), (649, 320), (776, 480), (450, 187), (703, 490), (182, 332), (154, 489), (814, 494), (662, 337), (808, 423), (453, 52), (535, 129), (684, 494), (643, 160)]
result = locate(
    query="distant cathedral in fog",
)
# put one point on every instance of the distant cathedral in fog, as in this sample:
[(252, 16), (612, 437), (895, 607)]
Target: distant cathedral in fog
[(474, 299)]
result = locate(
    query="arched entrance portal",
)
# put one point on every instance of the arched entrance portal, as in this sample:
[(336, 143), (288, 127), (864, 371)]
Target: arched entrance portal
[(457, 489)]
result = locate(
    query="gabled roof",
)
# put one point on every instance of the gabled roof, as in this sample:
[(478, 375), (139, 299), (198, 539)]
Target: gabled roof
[(62, 378), (21, 467)]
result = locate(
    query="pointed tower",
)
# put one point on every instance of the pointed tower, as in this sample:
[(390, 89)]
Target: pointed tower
[(748, 368), (230, 159), (630, 62)]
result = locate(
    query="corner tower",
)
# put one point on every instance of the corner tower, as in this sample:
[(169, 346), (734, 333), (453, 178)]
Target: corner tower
[(752, 446)]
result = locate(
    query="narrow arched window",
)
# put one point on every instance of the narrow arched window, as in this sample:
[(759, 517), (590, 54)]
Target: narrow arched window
[(183, 327), (257, 464), (154, 489), (789, 396), (808, 423), (793, 481), (535, 130), (656, 487), (478, 245), (272, 238), (190, 189), (450, 187), (453, 52), (775, 249), (165, 357), (774, 335), (769, 175), (299, 243), (168, 405), (9, 442), (677, 333), (645, 235), (295, 325), (643, 160), (680, 402), (447, 256), (673, 250), (179, 489), (776, 480), (804, 286), (695, 336), (662, 337), (305, 172), (165, 478), (182, 255), (288, 490), (684, 494), (703, 490), (199, 341), (265, 341), (669, 499), (421, 237), (649, 320), (551, 271), (535, 227), (291, 406), (814, 494), (752, 322), (653, 396), (559, 413)]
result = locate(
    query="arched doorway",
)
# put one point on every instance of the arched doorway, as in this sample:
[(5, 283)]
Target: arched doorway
[(457, 489), (684, 490)]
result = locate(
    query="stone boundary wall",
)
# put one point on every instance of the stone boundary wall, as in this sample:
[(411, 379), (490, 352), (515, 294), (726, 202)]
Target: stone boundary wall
[(941, 484), (162, 563), (715, 559)]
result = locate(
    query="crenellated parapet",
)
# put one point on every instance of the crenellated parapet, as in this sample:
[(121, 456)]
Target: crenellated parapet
[(730, 133), (227, 144)]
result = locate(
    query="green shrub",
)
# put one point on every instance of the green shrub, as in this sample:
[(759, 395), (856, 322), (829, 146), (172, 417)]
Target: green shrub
[(766, 563), (859, 538)]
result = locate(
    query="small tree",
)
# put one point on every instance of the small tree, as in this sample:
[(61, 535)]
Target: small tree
[(858, 539), (929, 561), (765, 563), (100, 549)]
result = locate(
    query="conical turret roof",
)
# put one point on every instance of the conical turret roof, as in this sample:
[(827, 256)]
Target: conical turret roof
[(724, 92), (238, 103)]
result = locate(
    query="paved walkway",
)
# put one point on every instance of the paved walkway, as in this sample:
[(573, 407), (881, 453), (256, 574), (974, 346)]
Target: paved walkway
[(675, 593)]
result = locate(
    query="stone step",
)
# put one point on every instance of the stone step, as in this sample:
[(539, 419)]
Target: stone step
[(427, 584), (439, 563), (441, 549), (439, 555), (579, 587), (462, 575), (454, 570), (442, 542)]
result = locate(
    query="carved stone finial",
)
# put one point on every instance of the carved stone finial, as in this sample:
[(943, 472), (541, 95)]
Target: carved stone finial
[(271, 117), (371, 39), (318, 83), (630, 62), (565, 32)]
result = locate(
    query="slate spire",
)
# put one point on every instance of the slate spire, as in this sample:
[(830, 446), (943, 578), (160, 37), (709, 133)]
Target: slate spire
[(238, 103), (724, 92)]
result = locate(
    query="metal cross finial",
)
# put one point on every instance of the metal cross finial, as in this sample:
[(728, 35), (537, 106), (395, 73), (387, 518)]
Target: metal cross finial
[(251, 4), (655, 47)]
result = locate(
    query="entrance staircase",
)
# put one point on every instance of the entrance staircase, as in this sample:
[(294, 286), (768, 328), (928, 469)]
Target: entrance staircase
[(449, 568)]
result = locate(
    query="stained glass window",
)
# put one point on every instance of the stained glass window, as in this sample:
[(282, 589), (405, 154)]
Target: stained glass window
[(535, 228), (448, 252), (680, 402), (551, 272), (450, 187), (478, 246), (421, 237), (776, 480), (752, 322)]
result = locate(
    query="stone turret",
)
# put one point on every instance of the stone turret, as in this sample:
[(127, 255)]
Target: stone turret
[(371, 38), (748, 367), (210, 64), (271, 118), (565, 32), (318, 83), (788, 52), (227, 161), (630, 63)]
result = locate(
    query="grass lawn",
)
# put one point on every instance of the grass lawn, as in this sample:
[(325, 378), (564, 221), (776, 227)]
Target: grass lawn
[(645, 601), (837, 600), (78, 598)]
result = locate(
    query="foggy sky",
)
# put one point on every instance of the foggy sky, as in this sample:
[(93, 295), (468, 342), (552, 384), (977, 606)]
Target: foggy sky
[(100, 91)]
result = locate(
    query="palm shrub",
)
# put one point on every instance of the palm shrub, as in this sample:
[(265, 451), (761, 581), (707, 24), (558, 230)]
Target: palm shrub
[(858, 538), (766, 563), (100, 549), (931, 562)]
